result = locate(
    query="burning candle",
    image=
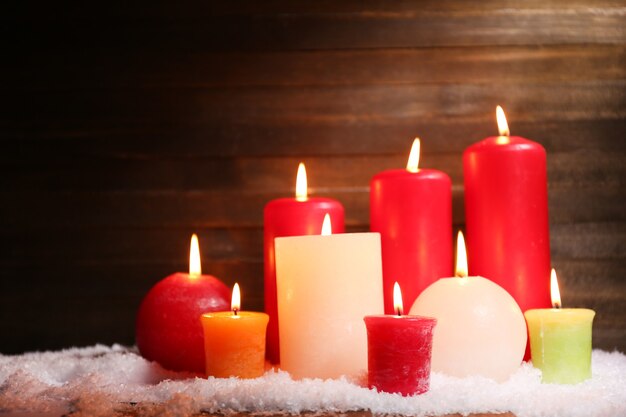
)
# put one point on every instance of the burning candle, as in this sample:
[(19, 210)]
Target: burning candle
[(412, 210), (168, 330), (480, 327), (560, 340), (234, 341), (326, 285), (506, 211), (399, 350), (302, 215)]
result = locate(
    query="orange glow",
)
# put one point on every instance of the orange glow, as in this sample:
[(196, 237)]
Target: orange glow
[(301, 183), (195, 268), (461, 257), (397, 299), (235, 301), (327, 228), (503, 126), (414, 156), (555, 294)]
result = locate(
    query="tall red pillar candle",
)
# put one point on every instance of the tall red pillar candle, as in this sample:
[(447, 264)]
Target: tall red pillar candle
[(168, 328), (412, 210), (302, 215), (506, 211), (399, 351)]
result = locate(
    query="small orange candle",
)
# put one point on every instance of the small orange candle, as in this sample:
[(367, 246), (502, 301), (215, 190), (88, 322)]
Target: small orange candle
[(234, 341)]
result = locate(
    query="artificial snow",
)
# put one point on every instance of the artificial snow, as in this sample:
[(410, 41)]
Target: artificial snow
[(101, 380)]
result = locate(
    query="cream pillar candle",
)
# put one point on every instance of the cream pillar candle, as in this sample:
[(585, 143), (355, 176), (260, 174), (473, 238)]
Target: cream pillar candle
[(325, 286)]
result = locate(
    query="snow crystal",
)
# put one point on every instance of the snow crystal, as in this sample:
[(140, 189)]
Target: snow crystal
[(101, 380)]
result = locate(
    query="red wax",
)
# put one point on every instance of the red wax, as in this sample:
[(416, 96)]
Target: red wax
[(412, 211), (506, 211), (290, 217), (168, 328), (399, 353)]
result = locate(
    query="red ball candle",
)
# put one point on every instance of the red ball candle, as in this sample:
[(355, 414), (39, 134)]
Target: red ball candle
[(168, 328), (506, 210), (412, 210), (399, 351), (302, 215)]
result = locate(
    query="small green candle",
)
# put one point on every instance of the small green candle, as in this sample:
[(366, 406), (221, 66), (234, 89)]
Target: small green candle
[(560, 341)]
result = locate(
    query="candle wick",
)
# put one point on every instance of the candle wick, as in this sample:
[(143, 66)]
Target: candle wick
[(235, 311)]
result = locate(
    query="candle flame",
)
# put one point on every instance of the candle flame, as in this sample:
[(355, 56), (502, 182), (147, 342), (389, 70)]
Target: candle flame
[(555, 294), (503, 126), (397, 299), (301, 183), (235, 301), (414, 156), (327, 228), (195, 268), (461, 256)]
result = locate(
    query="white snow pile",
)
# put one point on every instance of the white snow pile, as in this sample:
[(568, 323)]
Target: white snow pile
[(103, 380)]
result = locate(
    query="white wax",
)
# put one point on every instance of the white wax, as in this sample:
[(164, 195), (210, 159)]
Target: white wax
[(325, 286), (480, 328)]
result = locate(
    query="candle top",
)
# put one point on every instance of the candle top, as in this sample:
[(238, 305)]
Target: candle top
[(423, 174), (404, 317), (560, 314), (512, 143)]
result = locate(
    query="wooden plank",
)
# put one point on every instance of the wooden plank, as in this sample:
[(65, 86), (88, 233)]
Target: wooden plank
[(328, 28), (163, 249), (416, 66), (271, 7), (319, 106), (103, 280), (389, 137), (267, 174)]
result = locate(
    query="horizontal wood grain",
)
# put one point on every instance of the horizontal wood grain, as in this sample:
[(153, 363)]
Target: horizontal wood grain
[(32, 172), (67, 141), (308, 106), (325, 27), (506, 65)]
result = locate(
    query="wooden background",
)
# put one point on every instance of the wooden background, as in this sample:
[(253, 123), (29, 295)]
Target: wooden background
[(126, 129)]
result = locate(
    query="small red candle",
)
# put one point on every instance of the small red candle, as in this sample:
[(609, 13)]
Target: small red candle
[(399, 350), (506, 210), (297, 216), (168, 328), (412, 210)]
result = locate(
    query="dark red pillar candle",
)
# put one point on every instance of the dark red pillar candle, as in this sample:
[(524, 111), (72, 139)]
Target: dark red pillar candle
[(506, 210), (399, 353), (302, 215), (168, 328), (412, 211)]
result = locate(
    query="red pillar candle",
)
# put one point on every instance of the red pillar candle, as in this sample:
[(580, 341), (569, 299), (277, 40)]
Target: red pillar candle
[(399, 351), (297, 216), (168, 328), (506, 210), (412, 210)]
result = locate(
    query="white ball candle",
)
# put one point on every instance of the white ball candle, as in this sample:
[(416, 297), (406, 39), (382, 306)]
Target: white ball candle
[(480, 328)]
